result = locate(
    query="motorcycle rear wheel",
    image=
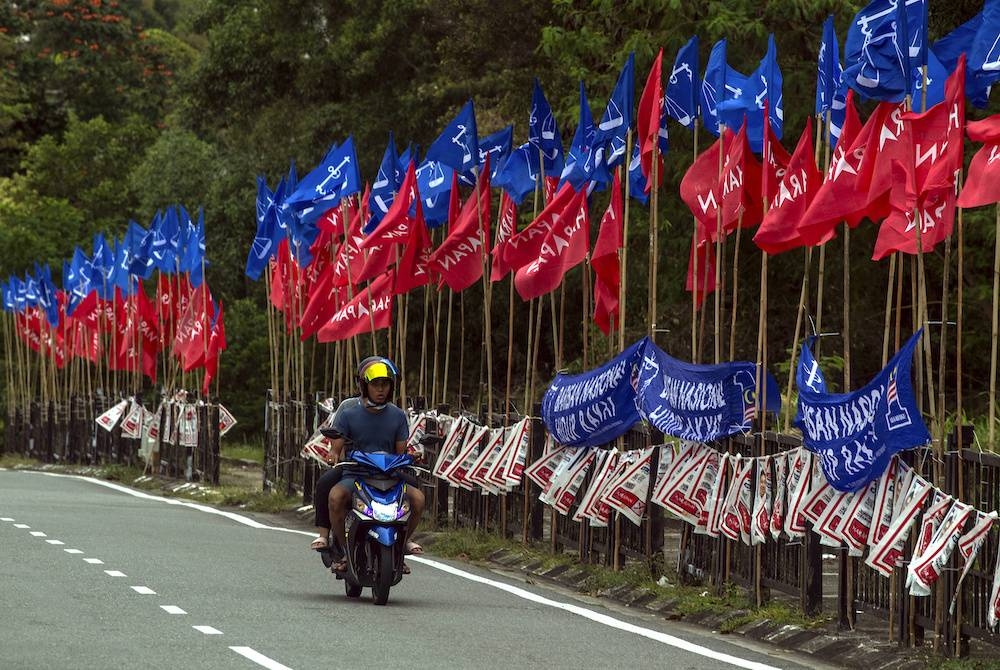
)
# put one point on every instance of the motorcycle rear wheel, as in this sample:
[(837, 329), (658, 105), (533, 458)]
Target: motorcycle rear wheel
[(384, 572)]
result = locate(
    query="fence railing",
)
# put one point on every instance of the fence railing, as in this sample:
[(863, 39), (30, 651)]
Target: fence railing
[(67, 433), (794, 568)]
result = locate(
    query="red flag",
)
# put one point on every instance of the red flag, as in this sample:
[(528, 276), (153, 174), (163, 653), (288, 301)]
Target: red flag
[(523, 247), (281, 276), (982, 183), (704, 283), (648, 118), (149, 334), (775, 160), (936, 135), (933, 211), (604, 260), (192, 330), (125, 355), (888, 142), (564, 247), (791, 200), (700, 187), (506, 227), (350, 261), (88, 310), (371, 304), (333, 220), (393, 227), (460, 258), (323, 302), (840, 196), (216, 344), (414, 268), (739, 185)]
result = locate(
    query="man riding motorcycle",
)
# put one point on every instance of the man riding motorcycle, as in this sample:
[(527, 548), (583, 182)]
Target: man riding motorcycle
[(372, 423)]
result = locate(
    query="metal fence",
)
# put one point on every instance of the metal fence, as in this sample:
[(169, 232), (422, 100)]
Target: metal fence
[(66, 433), (793, 568)]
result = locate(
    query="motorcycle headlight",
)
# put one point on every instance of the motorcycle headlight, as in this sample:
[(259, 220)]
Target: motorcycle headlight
[(384, 512)]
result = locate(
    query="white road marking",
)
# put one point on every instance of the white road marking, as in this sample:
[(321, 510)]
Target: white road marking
[(259, 658), (144, 590), (207, 630), (37, 533), (55, 542), (172, 609), (5, 518), (94, 561), (596, 617), (73, 551), (21, 525), (114, 573)]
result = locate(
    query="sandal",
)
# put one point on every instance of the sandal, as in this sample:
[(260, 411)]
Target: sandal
[(319, 544), (414, 548), (406, 568), (340, 566)]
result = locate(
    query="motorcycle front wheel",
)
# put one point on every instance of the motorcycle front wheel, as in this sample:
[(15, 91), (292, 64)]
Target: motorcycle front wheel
[(384, 572)]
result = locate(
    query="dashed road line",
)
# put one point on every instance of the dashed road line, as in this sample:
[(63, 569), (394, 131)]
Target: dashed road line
[(37, 533), (94, 561), (73, 551), (144, 590), (172, 609), (207, 630), (115, 573), (55, 542), (259, 658), (21, 525)]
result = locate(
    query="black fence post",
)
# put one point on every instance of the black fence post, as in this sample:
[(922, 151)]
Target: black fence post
[(812, 573), (536, 513)]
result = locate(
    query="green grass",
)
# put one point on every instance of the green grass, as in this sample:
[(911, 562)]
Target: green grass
[(12, 461), (936, 663), (243, 452), (470, 545)]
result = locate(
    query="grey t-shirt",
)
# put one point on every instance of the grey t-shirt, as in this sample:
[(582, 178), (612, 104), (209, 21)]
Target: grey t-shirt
[(371, 431)]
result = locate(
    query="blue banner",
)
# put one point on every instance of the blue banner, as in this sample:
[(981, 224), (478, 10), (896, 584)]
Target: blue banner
[(692, 402), (595, 407), (857, 433), (701, 403)]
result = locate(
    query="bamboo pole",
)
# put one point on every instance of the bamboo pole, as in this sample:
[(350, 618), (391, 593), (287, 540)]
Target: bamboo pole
[(654, 242), (623, 252), (992, 414), (736, 293), (800, 313), (694, 270)]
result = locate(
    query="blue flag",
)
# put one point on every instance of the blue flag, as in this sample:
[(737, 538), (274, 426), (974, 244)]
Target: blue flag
[(681, 96), (613, 128), (721, 83), (497, 147), (948, 49), (595, 407), (193, 261), (543, 132), (518, 175), (434, 187), (701, 403), (458, 145), (581, 160), (335, 177), (828, 68), (637, 180), (763, 85), (857, 433), (268, 236), (885, 43), (984, 54), (384, 187)]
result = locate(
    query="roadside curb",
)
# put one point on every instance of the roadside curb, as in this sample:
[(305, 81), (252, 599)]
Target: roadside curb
[(849, 649)]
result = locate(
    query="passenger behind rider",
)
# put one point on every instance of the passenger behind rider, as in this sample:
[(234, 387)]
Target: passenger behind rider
[(372, 422)]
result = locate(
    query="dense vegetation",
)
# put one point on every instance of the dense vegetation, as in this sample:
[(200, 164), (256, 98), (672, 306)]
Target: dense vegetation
[(110, 110)]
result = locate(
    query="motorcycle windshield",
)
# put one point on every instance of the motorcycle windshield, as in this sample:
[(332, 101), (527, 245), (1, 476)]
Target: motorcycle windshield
[(381, 460)]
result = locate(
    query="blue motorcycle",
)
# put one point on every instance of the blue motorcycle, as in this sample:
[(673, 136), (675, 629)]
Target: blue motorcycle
[(376, 523)]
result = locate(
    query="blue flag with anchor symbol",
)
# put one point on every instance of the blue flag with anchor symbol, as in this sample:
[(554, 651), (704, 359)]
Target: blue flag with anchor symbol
[(543, 132), (721, 83), (458, 145), (335, 177), (611, 131), (384, 187), (681, 96), (519, 173), (857, 433), (582, 161), (434, 187), (885, 45)]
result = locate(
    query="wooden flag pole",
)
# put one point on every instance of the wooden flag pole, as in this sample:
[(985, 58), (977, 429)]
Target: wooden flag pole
[(719, 257), (654, 241), (736, 293), (959, 309), (487, 306), (799, 318), (694, 270), (888, 308)]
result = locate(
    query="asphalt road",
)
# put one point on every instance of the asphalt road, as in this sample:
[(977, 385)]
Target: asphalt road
[(98, 576)]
